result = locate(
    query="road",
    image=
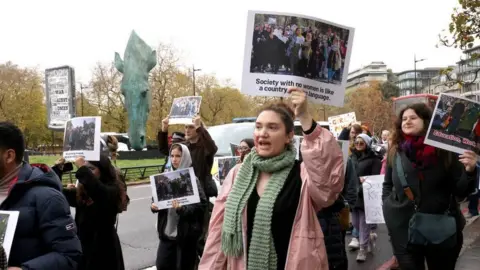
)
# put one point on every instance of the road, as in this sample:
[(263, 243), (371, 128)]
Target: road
[(136, 229)]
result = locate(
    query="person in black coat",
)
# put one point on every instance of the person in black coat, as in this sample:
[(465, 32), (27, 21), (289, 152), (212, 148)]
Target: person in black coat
[(180, 227), (436, 179), (98, 199), (365, 163), (45, 236)]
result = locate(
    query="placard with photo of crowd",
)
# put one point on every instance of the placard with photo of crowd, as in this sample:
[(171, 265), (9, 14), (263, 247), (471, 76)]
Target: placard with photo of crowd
[(455, 125), (8, 225), (184, 109), (225, 164), (82, 138), (284, 50), (180, 185)]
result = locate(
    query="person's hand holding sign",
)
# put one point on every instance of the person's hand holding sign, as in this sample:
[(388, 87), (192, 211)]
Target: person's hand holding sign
[(197, 121), (175, 204), (165, 123), (469, 160), (362, 179), (300, 106), (80, 161)]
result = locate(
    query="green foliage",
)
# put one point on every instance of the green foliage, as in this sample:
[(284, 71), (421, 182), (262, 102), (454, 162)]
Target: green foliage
[(464, 28)]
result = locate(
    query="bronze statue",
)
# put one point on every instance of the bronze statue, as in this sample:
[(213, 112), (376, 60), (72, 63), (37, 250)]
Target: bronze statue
[(139, 60)]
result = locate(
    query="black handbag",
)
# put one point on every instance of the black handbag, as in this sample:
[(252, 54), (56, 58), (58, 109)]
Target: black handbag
[(427, 229)]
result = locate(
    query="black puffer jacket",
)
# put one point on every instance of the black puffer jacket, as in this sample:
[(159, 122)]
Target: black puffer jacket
[(365, 163)]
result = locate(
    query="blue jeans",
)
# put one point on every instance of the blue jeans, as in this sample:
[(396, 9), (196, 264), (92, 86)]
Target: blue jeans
[(473, 204)]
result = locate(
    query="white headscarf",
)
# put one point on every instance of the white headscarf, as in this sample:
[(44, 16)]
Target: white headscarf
[(186, 161)]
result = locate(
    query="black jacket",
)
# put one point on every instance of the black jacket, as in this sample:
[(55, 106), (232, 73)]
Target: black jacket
[(96, 223), (190, 224), (46, 236), (202, 154), (435, 194), (363, 164)]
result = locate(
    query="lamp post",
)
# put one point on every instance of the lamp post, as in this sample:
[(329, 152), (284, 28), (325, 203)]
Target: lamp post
[(415, 61), (193, 71), (81, 96)]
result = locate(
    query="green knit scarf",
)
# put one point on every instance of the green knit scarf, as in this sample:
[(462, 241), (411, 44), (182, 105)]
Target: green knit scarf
[(261, 253)]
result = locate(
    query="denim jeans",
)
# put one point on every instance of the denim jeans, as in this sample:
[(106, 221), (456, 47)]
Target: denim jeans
[(473, 204)]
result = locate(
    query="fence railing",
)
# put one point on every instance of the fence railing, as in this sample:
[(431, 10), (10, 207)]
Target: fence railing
[(130, 173)]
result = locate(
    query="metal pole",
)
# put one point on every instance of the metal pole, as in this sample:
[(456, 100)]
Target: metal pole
[(415, 71), (193, 69), (81, 97), (53, 142)]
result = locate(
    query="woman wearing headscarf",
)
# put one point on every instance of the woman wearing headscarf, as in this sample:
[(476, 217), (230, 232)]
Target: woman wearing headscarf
[(179, 227), (265, 216), (97, 199), (365, 163)]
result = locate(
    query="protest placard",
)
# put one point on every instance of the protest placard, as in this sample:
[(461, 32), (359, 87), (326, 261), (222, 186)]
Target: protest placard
[(82, 138), (338, 122), (288, 50), (180, 185), (8, 225), (344, 146), (184, 109), (225, 164), (235, 149), (297, 143), (60, 96), (372, 197), (455, 125)]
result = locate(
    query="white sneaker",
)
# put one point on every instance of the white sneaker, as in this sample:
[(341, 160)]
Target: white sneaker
[(362, 255), (354, 244), (372, 243)]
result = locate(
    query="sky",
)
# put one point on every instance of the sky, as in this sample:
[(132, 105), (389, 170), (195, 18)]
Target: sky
[(211, 34)]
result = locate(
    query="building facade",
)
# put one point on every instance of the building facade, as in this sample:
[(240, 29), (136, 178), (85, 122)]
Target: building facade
[(375, 71), (406, 80), (443, 84), (469, 73)]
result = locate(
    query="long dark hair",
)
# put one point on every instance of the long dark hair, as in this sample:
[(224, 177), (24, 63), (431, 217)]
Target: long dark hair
[(108, 176), (250, 144), (397, 138)]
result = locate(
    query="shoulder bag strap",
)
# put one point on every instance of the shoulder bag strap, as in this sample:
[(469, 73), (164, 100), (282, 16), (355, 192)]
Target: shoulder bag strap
[(403, 179)]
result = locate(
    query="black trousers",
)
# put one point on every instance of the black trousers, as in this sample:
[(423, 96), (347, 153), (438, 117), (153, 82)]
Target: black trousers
[(173, 255), (414, 257)]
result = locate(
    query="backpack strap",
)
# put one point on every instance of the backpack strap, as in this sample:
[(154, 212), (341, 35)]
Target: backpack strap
[(403, 179)]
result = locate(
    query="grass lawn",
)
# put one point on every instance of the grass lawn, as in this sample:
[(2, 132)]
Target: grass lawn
[(50, 160)]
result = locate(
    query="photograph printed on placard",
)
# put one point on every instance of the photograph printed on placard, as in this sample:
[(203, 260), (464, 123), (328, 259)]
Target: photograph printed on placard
[(284, 50), (8, 226), (225, 164), (184, 109), (455, 125), (180, 185), (82, 138)]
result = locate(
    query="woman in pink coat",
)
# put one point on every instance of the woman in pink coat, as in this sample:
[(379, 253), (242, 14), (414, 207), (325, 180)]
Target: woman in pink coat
[(266, 215)]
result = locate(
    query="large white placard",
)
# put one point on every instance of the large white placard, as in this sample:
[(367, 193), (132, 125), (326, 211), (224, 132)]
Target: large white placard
[(8, 225), (82, 138), (455, 125), (60, 95), (372, 196), (180, 185), (284, 50), (184, 109), (344, 146), (338, 122)]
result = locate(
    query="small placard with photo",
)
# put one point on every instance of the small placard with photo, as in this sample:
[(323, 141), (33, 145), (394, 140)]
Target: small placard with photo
[(180, 185), (82, 138), (225, 164), (184, 109), (8, 225)]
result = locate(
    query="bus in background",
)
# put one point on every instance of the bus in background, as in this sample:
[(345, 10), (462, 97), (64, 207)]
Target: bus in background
[(401, 102)]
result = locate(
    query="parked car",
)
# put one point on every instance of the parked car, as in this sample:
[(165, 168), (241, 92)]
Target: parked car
[(225, 134)]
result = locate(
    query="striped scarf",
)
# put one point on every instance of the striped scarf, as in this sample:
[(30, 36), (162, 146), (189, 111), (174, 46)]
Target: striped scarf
[(261, 253)]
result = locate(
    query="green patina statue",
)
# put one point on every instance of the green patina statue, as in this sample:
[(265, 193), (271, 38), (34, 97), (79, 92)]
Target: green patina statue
[(139, 59)]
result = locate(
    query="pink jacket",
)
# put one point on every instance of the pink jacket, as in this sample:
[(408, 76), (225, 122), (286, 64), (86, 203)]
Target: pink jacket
[(384, 165), (323, 177)]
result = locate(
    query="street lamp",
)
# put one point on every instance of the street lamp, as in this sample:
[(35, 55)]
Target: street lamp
[(81, 96), (415, 61), (193, 71)]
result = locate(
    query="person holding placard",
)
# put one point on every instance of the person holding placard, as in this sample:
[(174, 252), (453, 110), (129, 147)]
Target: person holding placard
[(180, 227), (264, 216), (420, 192), (364, 163), (97, 199), (45, 235)]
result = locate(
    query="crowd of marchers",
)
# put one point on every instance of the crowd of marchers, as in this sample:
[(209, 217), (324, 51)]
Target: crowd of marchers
[(274, 211)]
